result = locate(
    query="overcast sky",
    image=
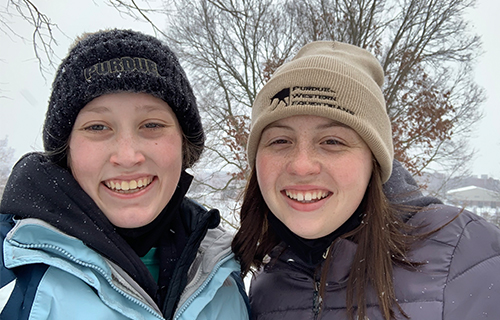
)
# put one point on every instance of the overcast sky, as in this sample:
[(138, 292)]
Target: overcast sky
[(25, 92)]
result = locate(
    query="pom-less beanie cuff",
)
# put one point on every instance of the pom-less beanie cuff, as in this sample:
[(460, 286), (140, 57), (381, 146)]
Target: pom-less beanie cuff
[(114, 61), (335, 80)]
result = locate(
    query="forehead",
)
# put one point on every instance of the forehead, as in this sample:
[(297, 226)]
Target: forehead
[(314, 121), (140, 102)]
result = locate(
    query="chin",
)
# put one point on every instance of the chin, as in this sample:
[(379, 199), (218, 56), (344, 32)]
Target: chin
[(308, 234), (130, 224)]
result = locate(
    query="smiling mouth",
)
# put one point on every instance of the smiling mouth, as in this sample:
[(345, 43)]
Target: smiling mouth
[(129, 186), (307, 196)]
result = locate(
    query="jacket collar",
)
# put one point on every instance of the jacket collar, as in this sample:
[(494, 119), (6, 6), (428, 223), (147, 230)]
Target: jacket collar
[(343, 253), (33, 241)]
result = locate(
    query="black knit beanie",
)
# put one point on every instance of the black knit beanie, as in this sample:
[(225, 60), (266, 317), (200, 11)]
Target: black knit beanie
[(116, 61)]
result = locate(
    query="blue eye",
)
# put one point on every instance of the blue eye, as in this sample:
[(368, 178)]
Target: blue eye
[(332, 142), (279, 141), (153, 125), (96, 127)]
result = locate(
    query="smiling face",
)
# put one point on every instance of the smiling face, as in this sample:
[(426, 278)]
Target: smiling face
[(125, 151), (313, 173)]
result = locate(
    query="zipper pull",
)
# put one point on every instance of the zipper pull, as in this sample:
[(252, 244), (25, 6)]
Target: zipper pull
[(325, 254), (317, 299)]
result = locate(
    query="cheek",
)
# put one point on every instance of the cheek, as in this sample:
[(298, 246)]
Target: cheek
[(359, 173), (351, 176), (168, 153), (366, 167), (84, 175), (83, 160), (79, 146), (264, 172)]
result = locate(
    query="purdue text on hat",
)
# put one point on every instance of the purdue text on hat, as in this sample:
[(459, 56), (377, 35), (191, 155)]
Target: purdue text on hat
[(121, 65)]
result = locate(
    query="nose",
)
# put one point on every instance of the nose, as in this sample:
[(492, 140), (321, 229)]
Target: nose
[(303, 161), (126, 151)]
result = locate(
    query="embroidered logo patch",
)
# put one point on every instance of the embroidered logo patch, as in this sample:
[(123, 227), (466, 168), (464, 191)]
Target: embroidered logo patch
[(282, 97), (124, 64), (312, 96)]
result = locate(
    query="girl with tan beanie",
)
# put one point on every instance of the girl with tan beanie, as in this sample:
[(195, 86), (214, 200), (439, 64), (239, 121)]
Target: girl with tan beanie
[(333, 227)]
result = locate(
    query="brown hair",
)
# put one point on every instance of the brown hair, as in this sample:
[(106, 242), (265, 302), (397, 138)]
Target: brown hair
[(383, 240)]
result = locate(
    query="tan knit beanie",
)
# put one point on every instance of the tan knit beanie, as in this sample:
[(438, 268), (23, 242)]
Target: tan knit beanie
[(333, 80)]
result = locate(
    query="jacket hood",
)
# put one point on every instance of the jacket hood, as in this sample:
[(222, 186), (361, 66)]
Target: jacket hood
[(402, 189), (38, 188)]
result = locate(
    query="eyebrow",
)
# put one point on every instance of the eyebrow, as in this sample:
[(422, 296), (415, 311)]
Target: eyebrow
[(333, 123), (96, 109), (149, 107), (329, 124), (104, 109)]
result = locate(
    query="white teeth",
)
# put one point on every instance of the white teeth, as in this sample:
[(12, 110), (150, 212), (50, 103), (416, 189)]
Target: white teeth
[(133, 184), (306, 196), (130, 186), (125, 186)]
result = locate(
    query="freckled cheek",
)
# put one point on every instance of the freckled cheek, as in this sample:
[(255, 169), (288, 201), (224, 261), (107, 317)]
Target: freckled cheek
[(168, 152), (268, 168), (348, 176), (355, 175), (85, 160), (87, 156)]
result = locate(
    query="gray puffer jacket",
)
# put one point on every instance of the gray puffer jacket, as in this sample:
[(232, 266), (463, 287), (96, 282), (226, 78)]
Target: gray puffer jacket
[(460, 277)]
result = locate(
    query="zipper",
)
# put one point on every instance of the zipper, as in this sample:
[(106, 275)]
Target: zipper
[(186, 304), (317, 300), (100, 270)]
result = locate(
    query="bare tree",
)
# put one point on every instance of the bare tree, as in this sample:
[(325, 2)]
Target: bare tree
[(42, 37), (225, 46), (427, 53), (143, 10), (231, 47), (6, 158)]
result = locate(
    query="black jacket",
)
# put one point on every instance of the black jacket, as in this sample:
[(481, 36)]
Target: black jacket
[(459, 279)]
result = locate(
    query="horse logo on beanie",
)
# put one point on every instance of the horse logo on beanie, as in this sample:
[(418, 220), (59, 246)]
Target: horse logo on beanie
[(307, 95), (282, 96)]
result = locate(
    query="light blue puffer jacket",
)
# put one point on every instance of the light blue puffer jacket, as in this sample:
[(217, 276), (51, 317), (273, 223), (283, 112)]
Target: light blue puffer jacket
[(38, 258)]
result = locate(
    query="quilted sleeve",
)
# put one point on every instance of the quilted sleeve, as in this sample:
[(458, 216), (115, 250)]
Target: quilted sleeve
[(473, 287)]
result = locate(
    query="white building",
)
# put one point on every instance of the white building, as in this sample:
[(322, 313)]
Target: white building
[(481, 201)]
